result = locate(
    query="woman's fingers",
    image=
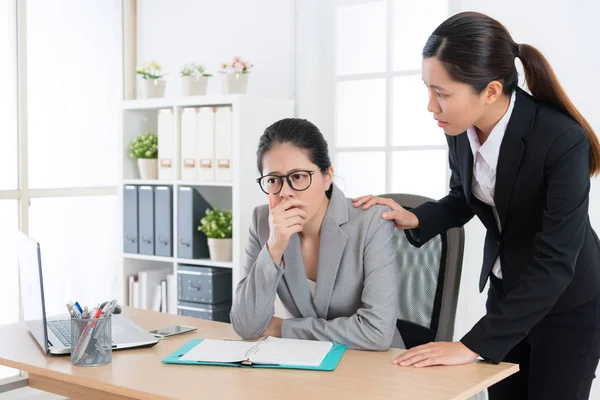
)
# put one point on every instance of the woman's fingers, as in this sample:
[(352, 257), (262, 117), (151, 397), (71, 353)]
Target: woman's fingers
[(400, 217), (295, 220), (382, 201), (359, 201), (419, 359), (425, 348), (285, 205)]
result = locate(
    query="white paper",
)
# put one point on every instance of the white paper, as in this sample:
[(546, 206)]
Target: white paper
[(297, 352), (218, 351), (302, 353)]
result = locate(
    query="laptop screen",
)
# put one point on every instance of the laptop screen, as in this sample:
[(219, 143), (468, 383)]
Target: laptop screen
[(30, 269)]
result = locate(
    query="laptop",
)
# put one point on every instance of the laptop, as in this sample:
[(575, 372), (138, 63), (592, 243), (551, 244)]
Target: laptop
[(54, 333)]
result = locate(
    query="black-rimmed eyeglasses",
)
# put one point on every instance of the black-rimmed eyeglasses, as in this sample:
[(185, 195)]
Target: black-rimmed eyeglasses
[(298, 180)]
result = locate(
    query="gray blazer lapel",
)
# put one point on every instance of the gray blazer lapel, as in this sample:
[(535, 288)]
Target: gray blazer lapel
[(331, 248), (295, 279)]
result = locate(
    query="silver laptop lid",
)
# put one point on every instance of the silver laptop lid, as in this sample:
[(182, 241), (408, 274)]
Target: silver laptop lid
[(32, 288)]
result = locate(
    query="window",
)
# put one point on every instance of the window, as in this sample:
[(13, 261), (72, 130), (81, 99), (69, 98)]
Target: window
[(61, 187), (8, 96), (73, 86), (385, 139)]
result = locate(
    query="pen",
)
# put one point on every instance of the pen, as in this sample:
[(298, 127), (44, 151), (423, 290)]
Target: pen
[(70, 310), (75, 310), (110, 307), (78, 307), (106, 312), (82, 346)]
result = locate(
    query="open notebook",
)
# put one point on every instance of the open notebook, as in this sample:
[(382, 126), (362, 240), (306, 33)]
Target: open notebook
[(268, 352)]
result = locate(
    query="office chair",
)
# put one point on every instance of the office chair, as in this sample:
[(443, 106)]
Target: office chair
[(428, 281)]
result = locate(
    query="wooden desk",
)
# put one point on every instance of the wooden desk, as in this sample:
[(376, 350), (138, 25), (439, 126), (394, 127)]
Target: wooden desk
[(139, 374)]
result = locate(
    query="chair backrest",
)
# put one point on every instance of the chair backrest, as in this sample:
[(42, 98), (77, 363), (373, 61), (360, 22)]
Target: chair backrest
[(428, 281)]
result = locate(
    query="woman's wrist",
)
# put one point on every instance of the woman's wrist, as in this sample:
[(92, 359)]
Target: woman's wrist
[(276, 255)]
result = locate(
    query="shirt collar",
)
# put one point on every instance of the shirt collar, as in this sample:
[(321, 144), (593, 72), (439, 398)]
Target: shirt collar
[(491, 148)]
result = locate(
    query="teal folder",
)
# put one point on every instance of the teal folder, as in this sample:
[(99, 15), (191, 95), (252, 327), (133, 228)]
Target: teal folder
[(329, 363)]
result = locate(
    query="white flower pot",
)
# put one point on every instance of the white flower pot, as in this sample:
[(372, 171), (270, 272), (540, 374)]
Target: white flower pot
[(220, 249), (148, 168), (194, 85), (235, 83), (153, 88)]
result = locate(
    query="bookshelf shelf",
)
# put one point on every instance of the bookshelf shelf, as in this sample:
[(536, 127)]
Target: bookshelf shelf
[(250, 116)]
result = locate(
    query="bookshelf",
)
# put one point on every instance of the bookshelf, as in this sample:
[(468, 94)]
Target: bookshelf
[(250, 116)]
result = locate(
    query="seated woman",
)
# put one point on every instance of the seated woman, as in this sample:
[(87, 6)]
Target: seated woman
[(332, 265)]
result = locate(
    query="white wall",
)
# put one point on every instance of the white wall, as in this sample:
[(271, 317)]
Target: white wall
[(565, 33), (209, 32)]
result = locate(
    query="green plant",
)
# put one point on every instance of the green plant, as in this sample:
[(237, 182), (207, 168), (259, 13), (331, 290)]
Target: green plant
[(216, 224), (195, 70), (144, 146), (150, 70)]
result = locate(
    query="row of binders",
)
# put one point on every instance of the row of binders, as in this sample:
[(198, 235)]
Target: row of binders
[(206, 144), (148, 221), (153, 290)]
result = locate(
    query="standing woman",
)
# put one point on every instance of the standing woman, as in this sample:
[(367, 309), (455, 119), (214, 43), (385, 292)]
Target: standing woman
[(521, 163)]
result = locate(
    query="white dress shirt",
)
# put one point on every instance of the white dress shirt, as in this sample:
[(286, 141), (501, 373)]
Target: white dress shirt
[(485, 161)]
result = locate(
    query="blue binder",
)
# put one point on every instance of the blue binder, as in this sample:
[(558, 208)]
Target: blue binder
[(329, 363)]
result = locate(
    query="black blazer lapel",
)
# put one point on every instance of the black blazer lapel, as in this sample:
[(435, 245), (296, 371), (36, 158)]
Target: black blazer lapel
[(511, 151)]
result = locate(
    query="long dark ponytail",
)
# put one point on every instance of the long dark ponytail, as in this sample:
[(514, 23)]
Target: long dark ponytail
[(476, 49)]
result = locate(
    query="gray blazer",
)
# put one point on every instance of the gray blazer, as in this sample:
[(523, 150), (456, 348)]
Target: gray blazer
[(356, 292)]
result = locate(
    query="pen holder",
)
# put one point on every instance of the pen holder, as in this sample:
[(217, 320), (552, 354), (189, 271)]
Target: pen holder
[(91, 341)]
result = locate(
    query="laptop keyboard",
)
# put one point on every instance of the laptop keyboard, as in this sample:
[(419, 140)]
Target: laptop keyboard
[(62, 330)]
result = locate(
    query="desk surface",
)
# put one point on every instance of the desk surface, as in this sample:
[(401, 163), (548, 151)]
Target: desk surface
[(139, 373)]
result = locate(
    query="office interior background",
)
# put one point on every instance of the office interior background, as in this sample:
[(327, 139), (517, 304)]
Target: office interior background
[(352, 67)]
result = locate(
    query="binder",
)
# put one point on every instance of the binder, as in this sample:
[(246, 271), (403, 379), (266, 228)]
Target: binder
[(191, 208), (166, 145), (156, 298), (171, 294), (132, 280), (130, 219), (206, 143), (223, 143), (163, 296), (136, 294), (188, 144), (146, 219), (163, 221), (149, 284), (329, 363)]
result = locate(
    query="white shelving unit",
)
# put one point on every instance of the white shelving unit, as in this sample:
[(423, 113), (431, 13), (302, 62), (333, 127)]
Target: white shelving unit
[(251, 115)]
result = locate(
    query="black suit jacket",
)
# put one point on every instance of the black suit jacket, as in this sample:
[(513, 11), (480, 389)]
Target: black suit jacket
[(550, 255)]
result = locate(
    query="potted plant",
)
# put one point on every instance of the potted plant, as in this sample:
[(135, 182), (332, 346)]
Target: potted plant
[(145, 149), (235, 75), (152, 83), (216, 225), (194, 79)]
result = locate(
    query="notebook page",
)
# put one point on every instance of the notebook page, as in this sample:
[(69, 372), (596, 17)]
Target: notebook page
[(227, 351), (302, 353)]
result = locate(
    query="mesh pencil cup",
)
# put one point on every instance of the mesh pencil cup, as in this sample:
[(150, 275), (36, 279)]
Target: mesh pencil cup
[(91, 341)]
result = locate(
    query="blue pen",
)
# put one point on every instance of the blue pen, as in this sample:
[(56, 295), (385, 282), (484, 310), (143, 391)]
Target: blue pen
[(74, 309), (79, 307)]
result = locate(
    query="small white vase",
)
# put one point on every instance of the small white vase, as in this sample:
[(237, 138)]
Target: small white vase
[(220, 249), (194, 85), (148, 168), (235, 83), (152, 88)]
